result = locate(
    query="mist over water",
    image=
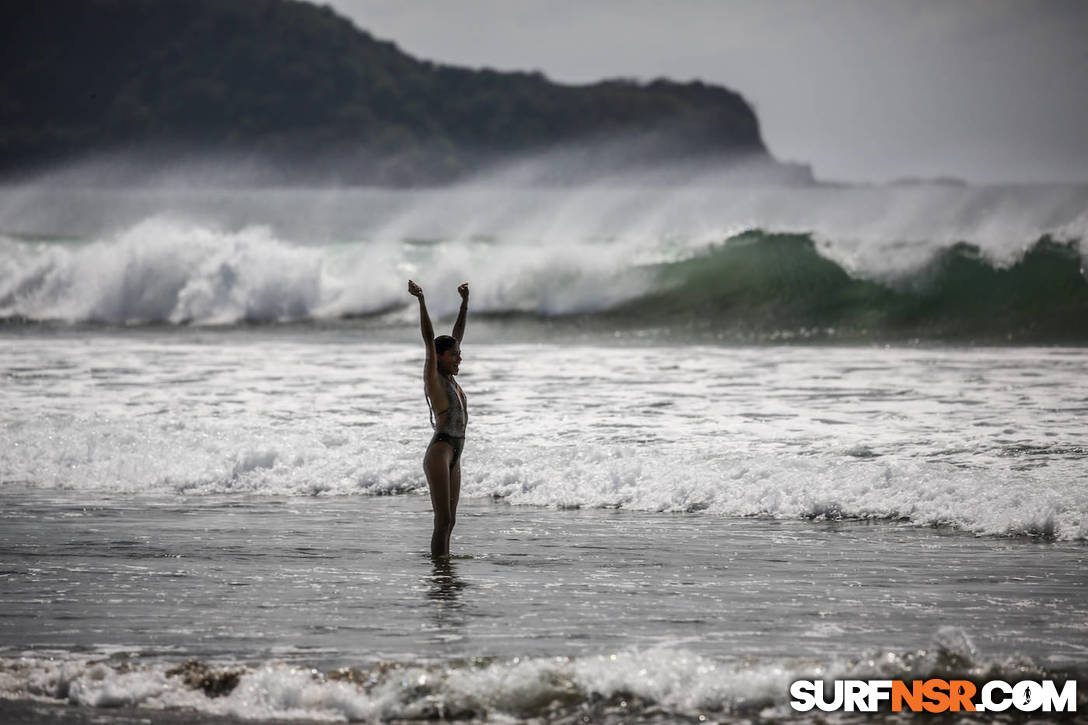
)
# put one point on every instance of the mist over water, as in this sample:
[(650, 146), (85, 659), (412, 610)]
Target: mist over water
[(173, 251)]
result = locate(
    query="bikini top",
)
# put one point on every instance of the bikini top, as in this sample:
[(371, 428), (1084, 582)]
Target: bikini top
[(457, 417)]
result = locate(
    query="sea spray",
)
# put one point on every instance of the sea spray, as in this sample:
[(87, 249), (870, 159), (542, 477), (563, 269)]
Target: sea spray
[(755, 283)]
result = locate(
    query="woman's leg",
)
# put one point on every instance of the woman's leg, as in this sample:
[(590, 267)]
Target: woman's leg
[(436, 466), (455, 494)]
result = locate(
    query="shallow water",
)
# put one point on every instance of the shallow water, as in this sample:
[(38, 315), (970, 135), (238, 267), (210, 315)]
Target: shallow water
[(333, 582)]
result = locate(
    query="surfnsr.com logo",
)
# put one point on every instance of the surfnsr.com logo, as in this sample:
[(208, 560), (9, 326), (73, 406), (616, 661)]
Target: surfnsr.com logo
[(933, 695)]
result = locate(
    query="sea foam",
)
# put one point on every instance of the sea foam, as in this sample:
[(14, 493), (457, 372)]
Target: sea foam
[(164, 270), (113, 459), (666, 682)]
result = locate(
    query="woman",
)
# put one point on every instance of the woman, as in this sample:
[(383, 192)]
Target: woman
[(442, 461)]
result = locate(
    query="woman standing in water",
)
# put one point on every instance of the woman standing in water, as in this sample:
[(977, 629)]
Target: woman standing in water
[(442, 461)]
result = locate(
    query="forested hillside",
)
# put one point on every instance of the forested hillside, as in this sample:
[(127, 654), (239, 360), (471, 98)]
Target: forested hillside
[(305, 89)]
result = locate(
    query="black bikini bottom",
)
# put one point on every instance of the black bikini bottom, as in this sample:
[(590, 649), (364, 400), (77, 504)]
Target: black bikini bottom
[(456, 443)]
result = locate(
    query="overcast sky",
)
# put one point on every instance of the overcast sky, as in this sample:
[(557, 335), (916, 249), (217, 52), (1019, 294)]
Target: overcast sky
[(864, 90)]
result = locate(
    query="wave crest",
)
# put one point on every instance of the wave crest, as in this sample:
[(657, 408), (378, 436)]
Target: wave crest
[(755, 283), (762, 282)]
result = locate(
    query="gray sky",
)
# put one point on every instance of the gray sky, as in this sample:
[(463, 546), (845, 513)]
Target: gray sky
[(864, 90)]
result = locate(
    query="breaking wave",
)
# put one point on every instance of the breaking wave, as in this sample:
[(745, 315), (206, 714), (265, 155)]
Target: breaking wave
[(163, 271), (661, 684), (758, 282)]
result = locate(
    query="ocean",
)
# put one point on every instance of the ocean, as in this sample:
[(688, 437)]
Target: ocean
[(720, 439)]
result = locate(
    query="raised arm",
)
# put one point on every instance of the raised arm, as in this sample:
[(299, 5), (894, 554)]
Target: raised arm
[(459, 326), (430, 366)]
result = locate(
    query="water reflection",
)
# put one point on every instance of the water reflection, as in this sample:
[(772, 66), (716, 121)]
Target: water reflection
[(444, 585), (447, 611)]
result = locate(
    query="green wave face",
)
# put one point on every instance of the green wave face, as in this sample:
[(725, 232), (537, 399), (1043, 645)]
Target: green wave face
[(763, 284)]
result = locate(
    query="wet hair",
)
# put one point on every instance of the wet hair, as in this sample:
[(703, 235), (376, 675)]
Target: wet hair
[(442, 343)]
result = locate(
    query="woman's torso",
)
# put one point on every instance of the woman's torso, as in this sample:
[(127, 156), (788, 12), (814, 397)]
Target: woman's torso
[(453, 420)]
